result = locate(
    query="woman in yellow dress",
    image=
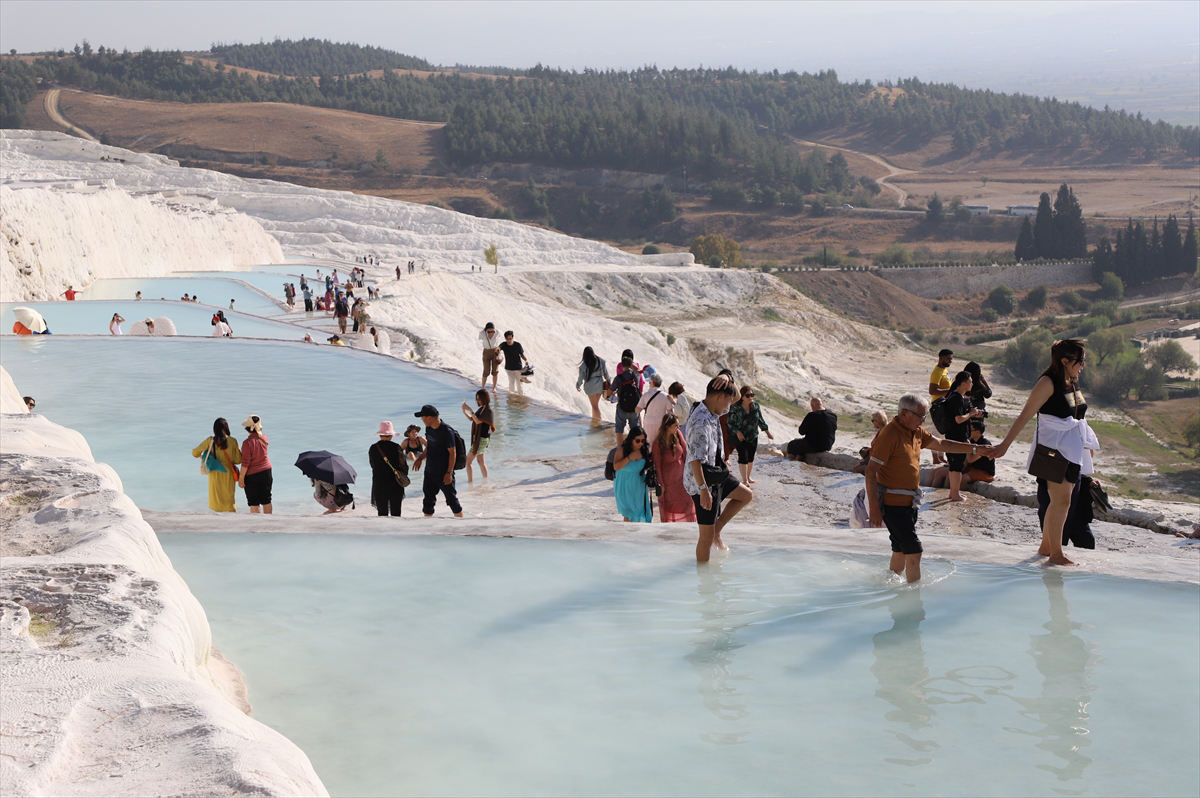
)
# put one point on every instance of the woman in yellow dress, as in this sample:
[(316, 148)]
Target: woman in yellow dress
[(222, 466)]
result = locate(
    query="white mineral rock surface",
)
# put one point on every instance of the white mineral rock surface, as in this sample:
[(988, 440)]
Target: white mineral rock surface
[(109, 681)]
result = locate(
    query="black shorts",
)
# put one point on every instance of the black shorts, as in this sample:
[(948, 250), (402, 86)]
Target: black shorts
[(901, 523), (258, 488), (956, 462), (746, 450), (719, 494)]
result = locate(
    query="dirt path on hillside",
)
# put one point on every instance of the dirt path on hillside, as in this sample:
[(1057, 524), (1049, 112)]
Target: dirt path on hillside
[(893, 171), (53, 112)]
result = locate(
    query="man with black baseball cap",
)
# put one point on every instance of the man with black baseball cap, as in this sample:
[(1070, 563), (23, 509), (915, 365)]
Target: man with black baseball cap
[(441, 454)]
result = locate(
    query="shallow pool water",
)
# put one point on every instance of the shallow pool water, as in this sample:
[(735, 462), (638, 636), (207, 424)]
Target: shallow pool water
[(213, 292), (435, 666), (143, 403), (92, 318)]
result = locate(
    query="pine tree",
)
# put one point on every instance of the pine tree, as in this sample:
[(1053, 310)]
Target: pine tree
[(1026, 249), (1043, 228)]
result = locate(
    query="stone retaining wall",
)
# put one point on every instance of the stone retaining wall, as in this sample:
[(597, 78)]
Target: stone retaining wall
[(936, 282)]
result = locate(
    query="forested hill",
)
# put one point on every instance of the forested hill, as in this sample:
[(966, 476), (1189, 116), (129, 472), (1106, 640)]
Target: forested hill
[(313, 57), (717, 123)]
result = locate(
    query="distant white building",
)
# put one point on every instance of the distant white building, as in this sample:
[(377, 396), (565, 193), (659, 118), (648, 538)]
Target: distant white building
[(1022, 210)]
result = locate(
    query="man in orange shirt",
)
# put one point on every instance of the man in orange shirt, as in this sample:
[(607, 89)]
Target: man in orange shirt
[(70, 293), (894, 479)]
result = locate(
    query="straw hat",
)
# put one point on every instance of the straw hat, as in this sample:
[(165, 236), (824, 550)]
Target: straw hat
[(253, 424), (385, 428)]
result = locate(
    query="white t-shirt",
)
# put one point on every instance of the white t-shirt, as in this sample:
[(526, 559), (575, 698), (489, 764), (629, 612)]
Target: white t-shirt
[(654, 404), (221, 330), (491, 342)]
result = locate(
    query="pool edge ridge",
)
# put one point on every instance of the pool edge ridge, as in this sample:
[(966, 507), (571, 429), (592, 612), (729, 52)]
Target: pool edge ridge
[(1131, 565), (107, 655)]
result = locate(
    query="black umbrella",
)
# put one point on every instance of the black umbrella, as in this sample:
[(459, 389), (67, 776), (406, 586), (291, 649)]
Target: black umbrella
[(327, 467)]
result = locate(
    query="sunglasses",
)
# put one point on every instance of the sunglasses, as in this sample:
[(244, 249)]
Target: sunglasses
[(922, 417)]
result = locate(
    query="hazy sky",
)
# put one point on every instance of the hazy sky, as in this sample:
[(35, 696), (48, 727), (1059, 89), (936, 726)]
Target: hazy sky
[(972, 43)]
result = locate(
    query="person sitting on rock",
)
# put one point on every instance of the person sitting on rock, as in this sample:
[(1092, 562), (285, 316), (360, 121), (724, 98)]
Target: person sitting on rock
[(817, 432)]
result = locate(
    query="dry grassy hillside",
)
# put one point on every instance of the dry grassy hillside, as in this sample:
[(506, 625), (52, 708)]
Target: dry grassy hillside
[(221, 136), (291, 133)]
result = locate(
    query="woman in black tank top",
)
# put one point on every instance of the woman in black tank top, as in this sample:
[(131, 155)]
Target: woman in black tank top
[(412, 444), (1056, 394)]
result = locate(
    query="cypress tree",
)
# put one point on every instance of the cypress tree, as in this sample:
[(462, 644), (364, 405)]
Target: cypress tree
[(1172, 247), (1189, 248), (1070, 229), (1026, 249), (1043, 229)]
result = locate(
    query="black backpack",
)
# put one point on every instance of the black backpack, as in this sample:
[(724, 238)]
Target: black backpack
[(610, 471), (628, 394), (342, 496), (460, 450), (937, 414)]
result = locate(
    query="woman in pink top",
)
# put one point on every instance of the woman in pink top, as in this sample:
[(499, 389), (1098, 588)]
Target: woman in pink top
[(256, 478)]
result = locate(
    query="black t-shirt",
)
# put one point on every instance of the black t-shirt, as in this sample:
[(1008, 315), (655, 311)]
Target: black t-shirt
[(440, 444), (985, 464), (956, 405), (512, 355), (483, 429), (820, 428)]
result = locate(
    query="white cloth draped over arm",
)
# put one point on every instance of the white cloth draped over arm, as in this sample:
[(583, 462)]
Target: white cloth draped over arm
[(1072, 437)]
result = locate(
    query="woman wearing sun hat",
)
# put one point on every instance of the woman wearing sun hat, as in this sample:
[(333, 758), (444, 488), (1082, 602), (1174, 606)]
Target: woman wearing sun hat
[(388, 466), (256, 477)]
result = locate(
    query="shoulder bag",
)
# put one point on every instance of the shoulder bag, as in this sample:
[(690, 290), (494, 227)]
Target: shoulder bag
[(716, 474), (1048, 464), (401, 479)]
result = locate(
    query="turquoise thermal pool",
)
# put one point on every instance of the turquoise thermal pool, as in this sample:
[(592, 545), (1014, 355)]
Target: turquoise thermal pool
[(272, 281), (214, 292), (477, 666), (143, 403), (92, 318)]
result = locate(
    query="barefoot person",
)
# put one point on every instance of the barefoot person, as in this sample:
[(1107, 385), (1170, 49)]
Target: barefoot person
[(221, 457), (894, 475), (593, 379), (1060, 409), (256, 479), (706, 477), (959, 414), (629, 485), (482, 427), (745, 420), (489, 341), (439, 458)]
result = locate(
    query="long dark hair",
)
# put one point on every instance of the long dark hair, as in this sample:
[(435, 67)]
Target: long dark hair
[(627, 445), (668, 439), (1069, 348), (220, 433), (976, 373), (590, 360), (483, 397)]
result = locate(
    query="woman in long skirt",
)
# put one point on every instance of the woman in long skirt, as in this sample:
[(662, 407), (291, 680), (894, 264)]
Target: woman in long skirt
[(222, 457), (629, 484), (670, 453)]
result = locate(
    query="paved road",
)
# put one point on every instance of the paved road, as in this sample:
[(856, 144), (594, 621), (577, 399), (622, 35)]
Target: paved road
[(59, 119)]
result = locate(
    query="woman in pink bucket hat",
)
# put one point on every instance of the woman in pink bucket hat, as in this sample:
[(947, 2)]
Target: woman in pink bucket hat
[(389, 472)]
